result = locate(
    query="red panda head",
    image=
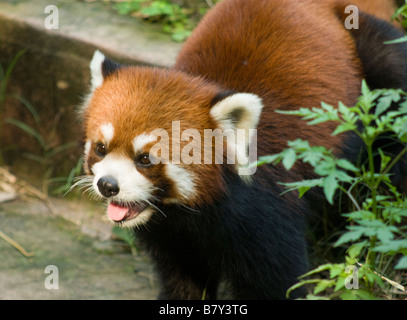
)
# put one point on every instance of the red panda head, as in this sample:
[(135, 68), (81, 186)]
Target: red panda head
[(150, 138)]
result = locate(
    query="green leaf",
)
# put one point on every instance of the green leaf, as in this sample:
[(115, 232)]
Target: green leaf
[(319, 269), (343, 176), (314, 155), (302, 191), (400, 128), (402, 264), (6, 76), (30, 108), (289, 159), (61, 148), (323, 285), (365, 89), (370, 276), (349, 295), (302, 112), (365, 295), (327, 113), (299, 285), (127, 7), (360, 215), (393, 246), (377, 228), (336, 270), (181, 36), (355, 249), (394, 214), (398, 40), (340, 284), (30, 130), (330, 185), (384, 160), (345, 164), (386, 100), (400, 11), (326, 167), (303, 184), (34, 157), (349, 236), (126, 236), (344, 110), (344, 128), (274, 159), (299, 145)]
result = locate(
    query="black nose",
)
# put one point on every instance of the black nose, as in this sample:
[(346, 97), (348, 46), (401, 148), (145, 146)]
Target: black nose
[(108, 186)]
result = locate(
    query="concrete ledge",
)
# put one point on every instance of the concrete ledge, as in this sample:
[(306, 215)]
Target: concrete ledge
[(53, 74), (94, 25)]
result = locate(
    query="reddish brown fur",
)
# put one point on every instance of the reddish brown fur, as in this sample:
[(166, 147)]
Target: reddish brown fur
[(291, 53)]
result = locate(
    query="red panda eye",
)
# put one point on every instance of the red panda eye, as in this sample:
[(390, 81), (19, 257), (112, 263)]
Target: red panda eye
[(101, 149), (143, 160)]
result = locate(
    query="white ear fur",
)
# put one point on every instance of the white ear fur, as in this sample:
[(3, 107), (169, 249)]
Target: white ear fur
[(240, 113), (96, 79), (96, 70)]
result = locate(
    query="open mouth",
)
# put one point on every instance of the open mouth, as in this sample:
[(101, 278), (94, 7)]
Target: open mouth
[(120, 213)]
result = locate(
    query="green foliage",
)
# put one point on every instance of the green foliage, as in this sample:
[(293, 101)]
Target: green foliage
[(5, 76), (176, 20), (127, 236), (375, 234), (400, 15), (48, 151), (4, 80)]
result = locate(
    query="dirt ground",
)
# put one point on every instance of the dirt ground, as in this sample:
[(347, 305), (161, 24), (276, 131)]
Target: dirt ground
[(70, 254)]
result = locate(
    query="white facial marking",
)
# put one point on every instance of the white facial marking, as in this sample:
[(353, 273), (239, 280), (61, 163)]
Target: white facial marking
[(140, 141), (87, 148), (133, 185), (182, 178), (107, 132), (141, 219)]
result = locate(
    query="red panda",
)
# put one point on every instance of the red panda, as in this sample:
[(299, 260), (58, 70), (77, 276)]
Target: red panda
[(209, 220)]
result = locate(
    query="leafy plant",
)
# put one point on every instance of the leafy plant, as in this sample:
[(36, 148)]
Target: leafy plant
[(68, 181), (4, 80), (400, 15), (47, 148), (375, 235), (176, 20)]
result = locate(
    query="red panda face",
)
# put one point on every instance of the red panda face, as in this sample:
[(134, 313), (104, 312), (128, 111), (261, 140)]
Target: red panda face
[(147, 142)]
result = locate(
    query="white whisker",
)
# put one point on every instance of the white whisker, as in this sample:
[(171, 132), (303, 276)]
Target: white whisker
[(83, 182), (188, 209), (155, 207)]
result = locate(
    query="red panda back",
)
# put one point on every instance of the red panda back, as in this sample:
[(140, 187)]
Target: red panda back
[(291, 53)]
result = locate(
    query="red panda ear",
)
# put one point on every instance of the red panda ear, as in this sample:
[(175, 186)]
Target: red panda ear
[(238, 111), (100, 68)]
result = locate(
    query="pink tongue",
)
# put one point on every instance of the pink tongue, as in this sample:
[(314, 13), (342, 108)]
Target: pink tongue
[(116, 213)]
